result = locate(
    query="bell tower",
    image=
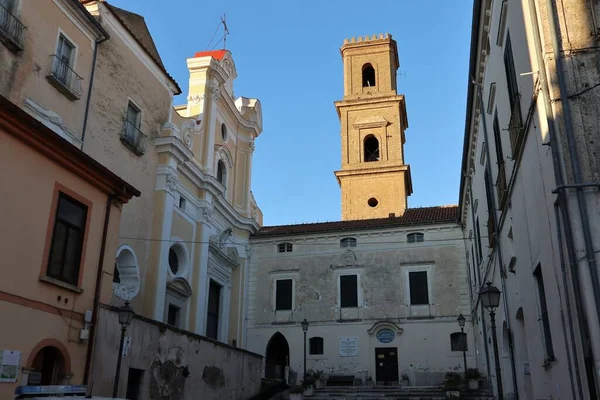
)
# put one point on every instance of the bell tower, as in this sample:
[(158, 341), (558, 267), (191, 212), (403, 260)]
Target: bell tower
[(374, 179)]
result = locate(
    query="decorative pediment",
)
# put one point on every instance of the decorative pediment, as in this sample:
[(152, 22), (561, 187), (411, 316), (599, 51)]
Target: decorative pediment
[(224, 154), (180, 287), (373, 121), (377, 326)]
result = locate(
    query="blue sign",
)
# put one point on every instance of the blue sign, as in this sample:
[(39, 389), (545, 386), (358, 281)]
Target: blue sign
[(386, 335)]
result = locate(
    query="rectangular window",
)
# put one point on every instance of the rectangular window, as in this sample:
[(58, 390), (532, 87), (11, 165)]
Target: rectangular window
[(182, 202), (458, 342), (315, 345), (284, 247), (491, 98), (349, 291), (173, 314), (63, 62), (67, 240), (490, 206), (478, 239), (474, 266), (212, 320), (544, 313), (502, 24), (498, 141), (133, 115), (511, 75), (419, 291), (283, 294)]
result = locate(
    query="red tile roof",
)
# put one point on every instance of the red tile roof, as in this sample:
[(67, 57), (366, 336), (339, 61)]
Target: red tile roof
[(216, 54), (412, 216)]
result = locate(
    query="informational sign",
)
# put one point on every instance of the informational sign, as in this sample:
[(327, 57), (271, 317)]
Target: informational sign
[(126, 346), (348, 347), (386, 335), (9, 364)]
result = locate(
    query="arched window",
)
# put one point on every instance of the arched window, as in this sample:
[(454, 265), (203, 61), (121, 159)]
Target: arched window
[(368, 75), (371, 146), (415, 237), (284, 247), (221, 173), (348, 242), (316, 345), (458, 341)]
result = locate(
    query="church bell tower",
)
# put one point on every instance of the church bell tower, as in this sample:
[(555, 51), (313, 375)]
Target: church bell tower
[(374, 179)]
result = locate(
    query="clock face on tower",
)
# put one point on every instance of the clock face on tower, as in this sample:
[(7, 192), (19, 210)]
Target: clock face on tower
[(374, 180)]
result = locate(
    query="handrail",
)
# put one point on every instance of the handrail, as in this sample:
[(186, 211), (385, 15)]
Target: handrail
[(134, 138), (11, 29), (64, 77)]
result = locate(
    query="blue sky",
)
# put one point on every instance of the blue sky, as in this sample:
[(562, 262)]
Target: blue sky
[(287, 55)]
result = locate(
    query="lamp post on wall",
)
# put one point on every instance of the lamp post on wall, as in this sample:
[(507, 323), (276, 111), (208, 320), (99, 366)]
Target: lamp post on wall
[(463, 341), (304, 328), (490, 298), (125, 314)]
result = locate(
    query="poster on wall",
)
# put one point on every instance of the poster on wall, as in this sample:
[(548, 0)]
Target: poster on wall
[(9, 364), (348, 347)]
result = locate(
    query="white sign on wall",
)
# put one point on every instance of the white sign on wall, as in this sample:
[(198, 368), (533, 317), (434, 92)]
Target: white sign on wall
[(348, 347), (9, 364)]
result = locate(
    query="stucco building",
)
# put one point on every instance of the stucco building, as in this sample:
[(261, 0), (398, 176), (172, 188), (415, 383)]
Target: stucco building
[(528, 195), (381, 289)]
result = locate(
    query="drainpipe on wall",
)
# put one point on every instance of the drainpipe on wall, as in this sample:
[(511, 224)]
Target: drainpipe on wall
[(97, 292), (560, 207), (89, 94), (490, 190), (589, 279)]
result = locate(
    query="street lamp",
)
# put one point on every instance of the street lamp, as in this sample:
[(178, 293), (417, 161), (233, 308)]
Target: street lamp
[(461, 322), (490, 298), (125, 315), (304, 328)]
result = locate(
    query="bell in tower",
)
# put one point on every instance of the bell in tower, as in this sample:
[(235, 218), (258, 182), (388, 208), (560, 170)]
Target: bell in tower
[(374, 179)]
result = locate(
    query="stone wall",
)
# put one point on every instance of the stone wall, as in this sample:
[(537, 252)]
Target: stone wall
[(176, 365)]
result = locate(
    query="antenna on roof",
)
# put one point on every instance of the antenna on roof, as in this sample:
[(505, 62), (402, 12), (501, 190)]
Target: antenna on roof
[(225, 30)]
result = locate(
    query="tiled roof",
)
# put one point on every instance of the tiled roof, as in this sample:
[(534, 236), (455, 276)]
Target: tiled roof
[(216, 54), (412, 216), (136, 25)]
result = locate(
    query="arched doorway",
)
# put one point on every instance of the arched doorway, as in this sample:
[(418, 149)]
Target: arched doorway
[(277, 357), (50, 363)]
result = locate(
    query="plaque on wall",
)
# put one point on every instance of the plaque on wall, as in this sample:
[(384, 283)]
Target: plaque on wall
[(348, 347), (386, 335)]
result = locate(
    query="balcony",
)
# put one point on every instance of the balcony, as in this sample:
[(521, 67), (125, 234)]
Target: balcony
[(133, 138), (515, 126), (62, 77), (12, 31), (501, 186)]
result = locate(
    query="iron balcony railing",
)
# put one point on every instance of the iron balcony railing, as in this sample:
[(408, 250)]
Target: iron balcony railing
[(501, 186), (515, 125), (133, 138), (12, 31), (62, 76)]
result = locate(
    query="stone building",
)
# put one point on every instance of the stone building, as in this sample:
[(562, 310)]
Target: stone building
[(381, 289), (528, 195)]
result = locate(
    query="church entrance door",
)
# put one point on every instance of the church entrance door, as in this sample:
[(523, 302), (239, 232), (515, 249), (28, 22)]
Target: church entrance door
[(277, 357), (386, 365)]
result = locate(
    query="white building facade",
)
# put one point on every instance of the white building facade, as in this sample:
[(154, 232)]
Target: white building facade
[(528, 198)]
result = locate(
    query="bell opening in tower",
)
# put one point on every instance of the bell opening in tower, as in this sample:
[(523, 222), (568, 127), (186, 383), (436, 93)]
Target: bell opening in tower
[(368, 75), (371, 149)]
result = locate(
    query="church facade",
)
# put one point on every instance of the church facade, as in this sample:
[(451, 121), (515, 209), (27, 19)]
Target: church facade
[(382, 288)]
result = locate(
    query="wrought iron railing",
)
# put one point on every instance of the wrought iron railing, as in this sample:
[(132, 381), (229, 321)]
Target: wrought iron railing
[(62, 76), (515, 125), (12, 31), (501, 186), (133, 138)]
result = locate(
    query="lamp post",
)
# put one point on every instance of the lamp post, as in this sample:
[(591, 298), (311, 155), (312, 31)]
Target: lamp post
[(304, 328), (490, 298), (461, 322), (125, 314)]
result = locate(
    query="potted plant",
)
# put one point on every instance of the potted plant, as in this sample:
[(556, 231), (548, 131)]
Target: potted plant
[(452, 385), (405, 380), (308, 385), (296, 393), (319, 379), (473, 376)]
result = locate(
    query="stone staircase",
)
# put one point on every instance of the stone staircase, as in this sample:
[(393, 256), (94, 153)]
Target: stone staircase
[(392, 393)]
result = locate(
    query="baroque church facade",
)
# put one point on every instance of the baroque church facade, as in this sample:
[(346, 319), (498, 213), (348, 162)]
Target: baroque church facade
[(382, 288)]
